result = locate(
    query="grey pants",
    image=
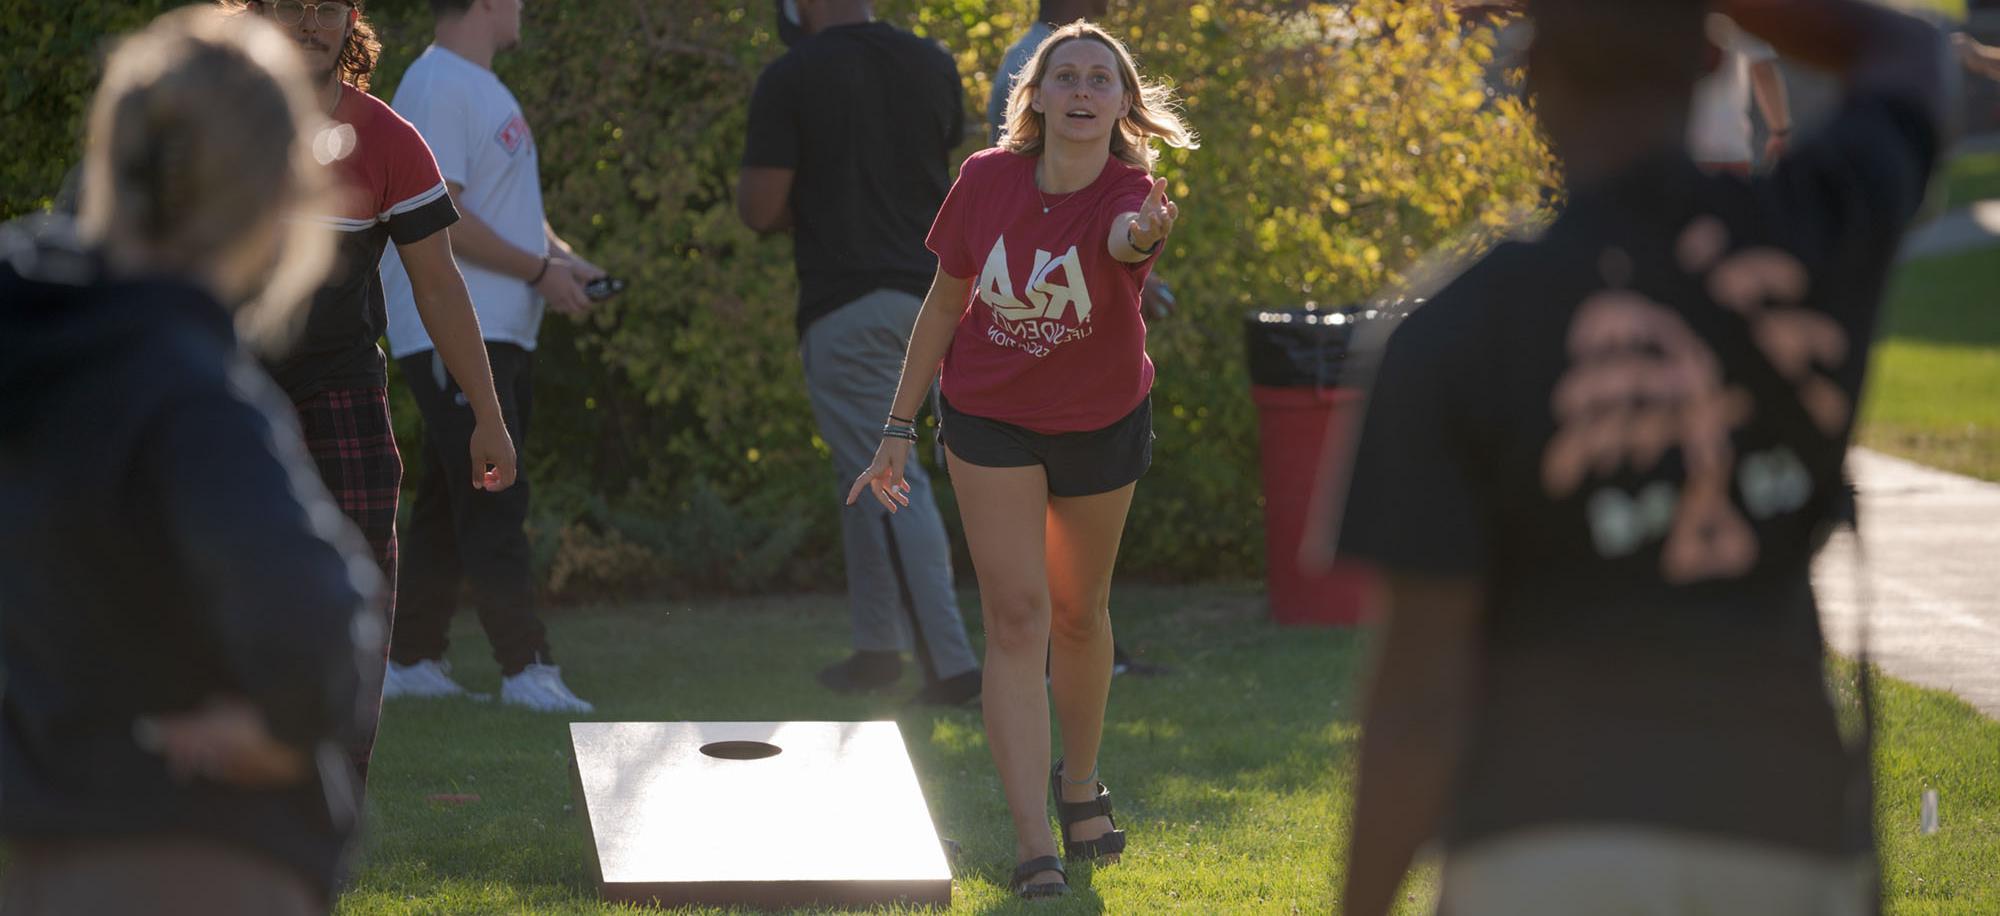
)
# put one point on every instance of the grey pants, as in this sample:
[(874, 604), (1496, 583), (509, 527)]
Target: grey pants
[(898, 566)]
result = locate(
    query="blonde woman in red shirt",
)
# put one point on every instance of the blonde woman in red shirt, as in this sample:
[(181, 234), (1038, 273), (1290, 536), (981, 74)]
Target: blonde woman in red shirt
[(1043, 246)]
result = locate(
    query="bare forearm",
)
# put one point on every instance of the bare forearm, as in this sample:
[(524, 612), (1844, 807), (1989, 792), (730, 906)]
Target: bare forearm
[(929, 340), (555, 242), (446, 311), (1983, 59), (1768, 84), (1120, 244), (1413, 729), (1871, 47), (1401, 789)]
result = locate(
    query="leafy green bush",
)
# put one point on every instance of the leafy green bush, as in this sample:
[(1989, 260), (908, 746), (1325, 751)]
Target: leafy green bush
[(674, 445), (55, 53)]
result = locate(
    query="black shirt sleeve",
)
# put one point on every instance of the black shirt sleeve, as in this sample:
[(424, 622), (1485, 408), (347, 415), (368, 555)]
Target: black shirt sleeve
[(415, 202), (956, 129), (773, 140), (1415, 501), (285, 577)]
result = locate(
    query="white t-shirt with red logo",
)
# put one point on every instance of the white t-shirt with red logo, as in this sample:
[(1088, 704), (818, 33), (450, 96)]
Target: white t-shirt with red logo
[(475, 129), (1052, 338)]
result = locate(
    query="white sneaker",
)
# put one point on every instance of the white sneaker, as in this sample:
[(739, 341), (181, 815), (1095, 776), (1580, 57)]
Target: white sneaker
[(427, 678), (540, 688)]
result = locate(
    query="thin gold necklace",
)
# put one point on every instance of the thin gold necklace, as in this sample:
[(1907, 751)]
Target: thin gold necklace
[(1046, 206)]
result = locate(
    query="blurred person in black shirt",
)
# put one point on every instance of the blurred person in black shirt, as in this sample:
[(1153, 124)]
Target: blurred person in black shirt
[(1593, 470)]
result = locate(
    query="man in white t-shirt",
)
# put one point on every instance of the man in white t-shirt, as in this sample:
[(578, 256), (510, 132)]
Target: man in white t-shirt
[(513, 262), (1719, 132)]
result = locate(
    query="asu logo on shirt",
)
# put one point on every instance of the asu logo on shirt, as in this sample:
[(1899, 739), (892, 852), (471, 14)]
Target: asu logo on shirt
[(1055, 292)]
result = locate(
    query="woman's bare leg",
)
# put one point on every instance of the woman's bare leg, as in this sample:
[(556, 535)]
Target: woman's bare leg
[(1083, 537), (1005, 511)]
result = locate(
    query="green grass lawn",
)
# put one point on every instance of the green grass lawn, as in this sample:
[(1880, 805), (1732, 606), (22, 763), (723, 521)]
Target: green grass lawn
[(1934, 388), (1970, 179), (1230, 774)]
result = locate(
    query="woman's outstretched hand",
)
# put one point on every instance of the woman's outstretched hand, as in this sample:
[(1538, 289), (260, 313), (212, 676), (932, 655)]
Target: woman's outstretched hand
[(1156, 218), (884, 476)]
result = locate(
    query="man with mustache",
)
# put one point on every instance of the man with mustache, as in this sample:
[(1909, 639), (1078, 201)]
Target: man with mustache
[(390, 190)]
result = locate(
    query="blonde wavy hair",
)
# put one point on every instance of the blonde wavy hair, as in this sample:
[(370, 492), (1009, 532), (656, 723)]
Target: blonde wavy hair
[(1154, 110), (199, 161)]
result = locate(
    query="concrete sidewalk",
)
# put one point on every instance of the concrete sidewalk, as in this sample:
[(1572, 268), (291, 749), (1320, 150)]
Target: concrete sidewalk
[(1963, 229), (1933, 557)]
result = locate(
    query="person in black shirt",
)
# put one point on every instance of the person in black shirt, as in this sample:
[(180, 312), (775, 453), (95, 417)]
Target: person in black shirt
[(183, 609), (1593, 470), (849, 146)]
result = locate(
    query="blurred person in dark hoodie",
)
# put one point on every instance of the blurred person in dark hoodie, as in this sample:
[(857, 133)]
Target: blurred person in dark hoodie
[(183, 610), (1595, 470)]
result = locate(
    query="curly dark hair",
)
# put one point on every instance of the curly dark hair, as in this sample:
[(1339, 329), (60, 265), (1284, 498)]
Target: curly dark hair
[(357, 57)]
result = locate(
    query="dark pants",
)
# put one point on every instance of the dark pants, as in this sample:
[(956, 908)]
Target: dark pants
[(459, 534), (347, 432)]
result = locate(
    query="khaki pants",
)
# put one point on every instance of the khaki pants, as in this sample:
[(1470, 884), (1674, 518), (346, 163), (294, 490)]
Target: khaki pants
[(162, 877), (1626, 871)]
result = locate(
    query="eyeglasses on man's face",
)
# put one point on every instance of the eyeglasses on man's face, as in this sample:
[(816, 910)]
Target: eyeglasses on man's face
[(293, 12)]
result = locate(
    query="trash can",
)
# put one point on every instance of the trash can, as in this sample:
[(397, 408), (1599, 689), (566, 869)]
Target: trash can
[(1299, 359)]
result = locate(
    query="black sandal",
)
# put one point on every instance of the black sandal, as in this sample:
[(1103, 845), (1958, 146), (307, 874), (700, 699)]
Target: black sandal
[(1071, 813), (1033, 867)]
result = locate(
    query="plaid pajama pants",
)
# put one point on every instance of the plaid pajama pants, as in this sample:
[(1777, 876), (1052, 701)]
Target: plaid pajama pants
[(347, 433)]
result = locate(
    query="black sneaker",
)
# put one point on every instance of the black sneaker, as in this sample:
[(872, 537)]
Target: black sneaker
[(863, 671), (957, 690)]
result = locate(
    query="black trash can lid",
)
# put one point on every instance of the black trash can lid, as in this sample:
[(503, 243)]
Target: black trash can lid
[(1307, 347)]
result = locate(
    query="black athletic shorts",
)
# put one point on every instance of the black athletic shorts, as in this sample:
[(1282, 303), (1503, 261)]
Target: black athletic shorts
[(1078, 464)]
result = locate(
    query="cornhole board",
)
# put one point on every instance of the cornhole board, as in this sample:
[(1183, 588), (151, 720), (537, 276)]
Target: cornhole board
[(761, 814)]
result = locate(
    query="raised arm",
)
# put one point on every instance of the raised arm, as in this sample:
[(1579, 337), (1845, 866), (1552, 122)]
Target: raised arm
[(1136, 236), (1982, 59), (1871, 48)]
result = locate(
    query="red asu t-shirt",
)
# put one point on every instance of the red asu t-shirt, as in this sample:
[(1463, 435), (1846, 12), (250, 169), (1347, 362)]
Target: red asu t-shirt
[(388, 189), (1051, 339)]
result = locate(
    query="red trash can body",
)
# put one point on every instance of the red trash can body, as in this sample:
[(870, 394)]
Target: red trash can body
[(1299, 463)]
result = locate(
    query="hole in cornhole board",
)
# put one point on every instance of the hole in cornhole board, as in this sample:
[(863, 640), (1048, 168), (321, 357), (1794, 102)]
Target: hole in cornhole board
[(759, 814), (741, 750)]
